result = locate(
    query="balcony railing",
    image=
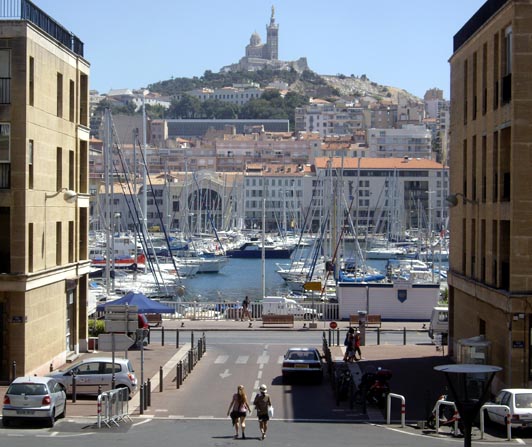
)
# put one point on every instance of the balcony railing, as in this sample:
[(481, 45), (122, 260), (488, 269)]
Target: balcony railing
[(26, 10)]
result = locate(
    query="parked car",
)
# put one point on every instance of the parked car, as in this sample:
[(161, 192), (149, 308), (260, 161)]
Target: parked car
[(302, 363), (281, 305), (520, 402), (93, 372), (35, 398)]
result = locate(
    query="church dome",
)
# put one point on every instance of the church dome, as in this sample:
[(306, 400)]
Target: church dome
[(254, 39)]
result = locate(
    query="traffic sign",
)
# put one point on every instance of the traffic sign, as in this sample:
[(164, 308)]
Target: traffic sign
[(121, 318), (333, 325), (312, 285), (122, 342)]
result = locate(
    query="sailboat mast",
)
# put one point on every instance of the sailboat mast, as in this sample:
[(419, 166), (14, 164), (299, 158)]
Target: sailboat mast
[(144, 197)]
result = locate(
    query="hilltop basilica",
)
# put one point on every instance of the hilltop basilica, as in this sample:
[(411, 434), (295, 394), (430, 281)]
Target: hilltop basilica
[(265, 55)]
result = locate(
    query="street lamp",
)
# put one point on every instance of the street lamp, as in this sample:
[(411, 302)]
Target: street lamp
[(469, 385)]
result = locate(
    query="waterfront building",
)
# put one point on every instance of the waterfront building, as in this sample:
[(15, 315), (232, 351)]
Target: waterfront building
[(44, 205), (490, 270), (408, 141), (388, 195)]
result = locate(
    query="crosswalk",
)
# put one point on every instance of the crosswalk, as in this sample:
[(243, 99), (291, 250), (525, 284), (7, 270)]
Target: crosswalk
[(261, 359)]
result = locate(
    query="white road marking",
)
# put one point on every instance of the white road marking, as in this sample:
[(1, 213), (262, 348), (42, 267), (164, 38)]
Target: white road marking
[(242, 359), (280, 359), (263, 359), (259, 375), (221, 359), (136, 424), (225, 374)]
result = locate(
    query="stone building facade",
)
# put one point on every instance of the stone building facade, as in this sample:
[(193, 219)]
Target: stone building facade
[(44, 127), (490, 276)]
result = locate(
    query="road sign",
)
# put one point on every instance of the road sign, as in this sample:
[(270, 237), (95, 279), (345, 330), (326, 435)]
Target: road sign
[(312, 285), (333, 325), (122, 342), (121, 318)]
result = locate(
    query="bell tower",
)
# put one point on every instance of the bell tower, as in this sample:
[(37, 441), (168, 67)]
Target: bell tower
[(271, 50)]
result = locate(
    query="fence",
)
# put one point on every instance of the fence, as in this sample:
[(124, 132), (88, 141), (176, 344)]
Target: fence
[(113, 407), (226, 310)]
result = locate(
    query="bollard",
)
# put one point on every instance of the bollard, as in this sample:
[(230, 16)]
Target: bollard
[(178, 375), (200, 348), (73, 387), (337, 337), (141, 395), (378, 336), (204, 343), (192, 338), (177, 338), (14, 370), (149, 336), (190, 354), (145, 396), (160, 379), (329, 337), (162, 336), (148, 392), (404, 336)]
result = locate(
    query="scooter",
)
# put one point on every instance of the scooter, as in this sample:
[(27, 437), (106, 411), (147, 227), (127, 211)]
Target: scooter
[(374, 386)]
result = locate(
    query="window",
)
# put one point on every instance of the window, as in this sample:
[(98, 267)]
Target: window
[(30, 164), (59, 95), (71, 102), (58, 243), (5, 76), (59, 169), (5, 142), (31, 81)]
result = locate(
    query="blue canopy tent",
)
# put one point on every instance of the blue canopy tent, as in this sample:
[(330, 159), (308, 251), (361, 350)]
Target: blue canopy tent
[(144, 304)]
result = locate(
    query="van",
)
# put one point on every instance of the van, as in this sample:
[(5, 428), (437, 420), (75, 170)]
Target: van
[(439, 323), (279, 305)]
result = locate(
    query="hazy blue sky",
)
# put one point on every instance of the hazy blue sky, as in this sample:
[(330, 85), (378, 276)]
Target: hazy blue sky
[(132, 43)]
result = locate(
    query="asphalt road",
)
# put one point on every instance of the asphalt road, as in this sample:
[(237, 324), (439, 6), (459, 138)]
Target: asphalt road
[(196, 415)]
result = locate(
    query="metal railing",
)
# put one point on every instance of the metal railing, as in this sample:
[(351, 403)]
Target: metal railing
[(26, 10), (113, 407), (232, 310)]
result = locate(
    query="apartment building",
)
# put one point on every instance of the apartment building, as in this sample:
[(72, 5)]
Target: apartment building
[(387, 195), (408, 141), (326, 119), (490, 275), (44, 128)]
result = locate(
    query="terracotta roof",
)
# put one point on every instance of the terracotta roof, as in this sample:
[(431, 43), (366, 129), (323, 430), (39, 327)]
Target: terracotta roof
[(378, 163)]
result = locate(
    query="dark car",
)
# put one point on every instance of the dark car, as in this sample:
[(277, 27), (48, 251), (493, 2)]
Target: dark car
[(302, 363)]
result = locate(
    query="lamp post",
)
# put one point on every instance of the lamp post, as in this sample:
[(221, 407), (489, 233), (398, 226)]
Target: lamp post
[(469, 385)]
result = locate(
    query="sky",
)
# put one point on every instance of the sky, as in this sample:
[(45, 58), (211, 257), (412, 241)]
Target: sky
[(132, 43)]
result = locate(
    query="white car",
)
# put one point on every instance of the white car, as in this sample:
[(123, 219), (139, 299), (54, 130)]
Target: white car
[(93, 373), (35, 398), (520, 402)]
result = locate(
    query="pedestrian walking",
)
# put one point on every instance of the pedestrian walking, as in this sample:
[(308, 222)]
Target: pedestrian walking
[(245, 309), (263, 404), (356, 349), (349, 343), (238, 410)]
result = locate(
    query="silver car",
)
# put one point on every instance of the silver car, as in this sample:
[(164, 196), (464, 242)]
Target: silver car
[(41, 398), (95, 372)]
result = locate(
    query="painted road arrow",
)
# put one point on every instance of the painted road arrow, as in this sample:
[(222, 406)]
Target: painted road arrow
[(225, 374)]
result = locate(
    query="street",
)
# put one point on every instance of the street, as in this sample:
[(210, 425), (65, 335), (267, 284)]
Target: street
[(195, 414)]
